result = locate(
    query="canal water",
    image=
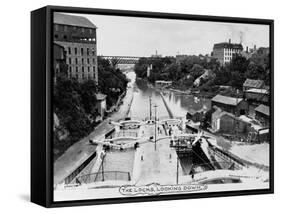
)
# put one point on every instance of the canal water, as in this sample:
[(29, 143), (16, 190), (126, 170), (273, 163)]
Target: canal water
[(179, 103)]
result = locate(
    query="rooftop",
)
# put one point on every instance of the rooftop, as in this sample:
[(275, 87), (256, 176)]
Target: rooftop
[(100, 96), (253, 83), (226, 100), (257, 90), (263, 109), (79, 21), (228, 45), (220, 113)]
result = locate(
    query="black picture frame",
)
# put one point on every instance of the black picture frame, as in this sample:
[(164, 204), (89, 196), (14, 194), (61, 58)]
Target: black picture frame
[(41, 105)]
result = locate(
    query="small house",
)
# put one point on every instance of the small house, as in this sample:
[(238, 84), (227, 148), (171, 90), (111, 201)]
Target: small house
[(227, 123), (233, 105), (262, 114), (257, 95), (195, 116), (251, 83), (101, 104)]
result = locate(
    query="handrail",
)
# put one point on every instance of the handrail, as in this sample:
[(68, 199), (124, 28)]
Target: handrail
[(106, 175)]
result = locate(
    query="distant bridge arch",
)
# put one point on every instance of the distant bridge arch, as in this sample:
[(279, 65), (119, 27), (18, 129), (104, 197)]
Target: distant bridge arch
[(115, 60)]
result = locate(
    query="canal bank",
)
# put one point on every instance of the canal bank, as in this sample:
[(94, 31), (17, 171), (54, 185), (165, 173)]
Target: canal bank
[(81, 151)]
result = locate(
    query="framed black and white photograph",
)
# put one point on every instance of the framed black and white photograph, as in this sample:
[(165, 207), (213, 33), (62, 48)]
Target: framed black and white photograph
[(134, 106)]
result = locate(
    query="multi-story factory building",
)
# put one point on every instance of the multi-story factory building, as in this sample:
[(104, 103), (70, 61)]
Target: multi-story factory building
[(224, 51), (78, 37)]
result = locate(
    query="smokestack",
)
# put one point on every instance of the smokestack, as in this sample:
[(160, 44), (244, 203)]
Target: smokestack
[(229, 41)]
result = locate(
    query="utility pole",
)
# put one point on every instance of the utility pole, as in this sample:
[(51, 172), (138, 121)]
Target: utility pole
[(236, 114), (155, 106), (150, 108), (177, 150), (102, 168)]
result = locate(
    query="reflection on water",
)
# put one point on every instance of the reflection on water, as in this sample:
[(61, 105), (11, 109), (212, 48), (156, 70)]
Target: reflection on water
[(178, 103)]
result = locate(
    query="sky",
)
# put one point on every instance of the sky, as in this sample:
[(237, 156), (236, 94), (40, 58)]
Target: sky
[(132, 36)]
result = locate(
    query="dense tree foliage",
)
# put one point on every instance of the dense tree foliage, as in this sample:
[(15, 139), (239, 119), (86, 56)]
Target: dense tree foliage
[(112, 82), (184, 72), (75, 102)]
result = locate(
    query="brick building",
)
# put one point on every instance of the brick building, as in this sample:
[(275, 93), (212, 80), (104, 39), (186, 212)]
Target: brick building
[(224, 51), (78, 37)]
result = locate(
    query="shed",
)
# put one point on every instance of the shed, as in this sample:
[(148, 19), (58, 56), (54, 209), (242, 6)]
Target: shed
[(262, 114), (233, 105)]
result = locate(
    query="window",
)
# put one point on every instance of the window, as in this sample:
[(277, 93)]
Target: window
[(56, 36), (69, 50), (88, 60), (93, 51), (69, 61), (82, 60), (76, 61), (82, 51), (76, 69), (93, 60), (64, 37), (56, 27), (90, 30), (75, 51), (65, 28), (88, 69), (83, 69), (70, 69), (88, 52)]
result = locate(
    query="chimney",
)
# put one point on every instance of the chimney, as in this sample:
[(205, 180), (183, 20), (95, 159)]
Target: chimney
[(229, 41), (247, 49), (255, 47)]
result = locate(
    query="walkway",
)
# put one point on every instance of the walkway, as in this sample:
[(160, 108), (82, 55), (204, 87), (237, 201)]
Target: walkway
[(158, 165)]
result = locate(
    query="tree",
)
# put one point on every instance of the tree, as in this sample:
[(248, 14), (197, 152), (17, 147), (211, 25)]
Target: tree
[(88, 97)]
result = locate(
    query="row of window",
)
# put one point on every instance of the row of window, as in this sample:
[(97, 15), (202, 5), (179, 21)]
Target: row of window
[(231, 50), (77, 39), (227, 58), (73, 28), (83, 69), (82, 51), (229, 54), (82, 61), (84, 76)]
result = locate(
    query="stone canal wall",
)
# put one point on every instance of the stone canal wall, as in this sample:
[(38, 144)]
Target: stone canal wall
[(171, 115)]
